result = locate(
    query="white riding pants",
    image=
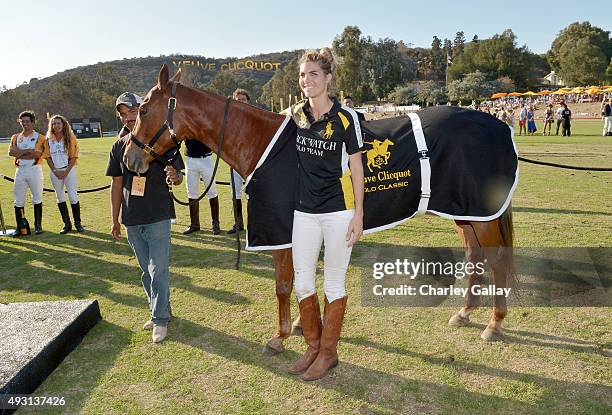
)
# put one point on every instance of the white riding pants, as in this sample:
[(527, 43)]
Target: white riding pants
[(71, 184), (309, 231), (238, 182), (197, 168), (607, 125), (28, 177)]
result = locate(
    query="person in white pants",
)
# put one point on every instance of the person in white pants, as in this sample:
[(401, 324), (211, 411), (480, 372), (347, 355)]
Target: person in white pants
[(61, 153), (606, 113), (329, 210), (199, 165), (243, 96), (26, 147)]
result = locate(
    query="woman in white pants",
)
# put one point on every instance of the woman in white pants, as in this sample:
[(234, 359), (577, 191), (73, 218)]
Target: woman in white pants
[(61, 153), (329, 210), (27, 147)]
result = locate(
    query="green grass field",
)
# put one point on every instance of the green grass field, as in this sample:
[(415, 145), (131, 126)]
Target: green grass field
[(393, 360)]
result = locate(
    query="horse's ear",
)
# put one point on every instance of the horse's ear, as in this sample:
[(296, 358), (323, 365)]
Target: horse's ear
[(177, 76), (163, 78)]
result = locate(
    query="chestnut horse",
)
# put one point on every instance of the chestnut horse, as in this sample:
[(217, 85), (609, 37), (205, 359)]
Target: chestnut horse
[(248, 131)]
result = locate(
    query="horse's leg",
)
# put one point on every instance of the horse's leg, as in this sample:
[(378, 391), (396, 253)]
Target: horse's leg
[(490, 235), (283, 270), (473, 253)]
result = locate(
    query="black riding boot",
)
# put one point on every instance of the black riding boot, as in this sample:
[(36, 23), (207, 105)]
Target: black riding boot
[(23, 228), (76, 215), (239, 223), (214, 214), (63, 208), (194, 216), (38, 218)]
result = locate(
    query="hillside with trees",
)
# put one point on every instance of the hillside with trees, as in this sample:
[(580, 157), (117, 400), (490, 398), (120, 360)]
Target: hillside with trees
[(368, 69)]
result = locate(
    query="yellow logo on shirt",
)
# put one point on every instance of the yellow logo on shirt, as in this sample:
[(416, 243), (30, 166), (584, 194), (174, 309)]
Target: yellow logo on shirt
[(303, 120), (379, 154), (329, 131)]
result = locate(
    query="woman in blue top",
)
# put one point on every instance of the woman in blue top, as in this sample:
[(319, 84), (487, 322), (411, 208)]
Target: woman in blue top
[(531, 125), (329, 209)]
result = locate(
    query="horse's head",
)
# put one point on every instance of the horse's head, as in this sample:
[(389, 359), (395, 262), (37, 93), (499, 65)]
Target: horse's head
[(151, 136)]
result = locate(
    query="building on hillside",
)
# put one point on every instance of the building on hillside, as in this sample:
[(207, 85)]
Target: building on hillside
[(86, 127), (553, 79)]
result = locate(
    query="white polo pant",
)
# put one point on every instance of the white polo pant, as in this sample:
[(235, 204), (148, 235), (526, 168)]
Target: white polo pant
[(70, 182), (28, 177), (607, 125), (238, 182), (309, 231), (197, 168)]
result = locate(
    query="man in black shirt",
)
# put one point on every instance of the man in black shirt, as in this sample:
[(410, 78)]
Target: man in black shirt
[(200, 165), (566, 114), (348, 102), (146, 210)]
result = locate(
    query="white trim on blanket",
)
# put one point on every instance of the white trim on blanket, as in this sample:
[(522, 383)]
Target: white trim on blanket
[(268, 149)]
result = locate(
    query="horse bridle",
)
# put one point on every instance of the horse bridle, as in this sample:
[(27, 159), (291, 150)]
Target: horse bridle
[(168, 125)]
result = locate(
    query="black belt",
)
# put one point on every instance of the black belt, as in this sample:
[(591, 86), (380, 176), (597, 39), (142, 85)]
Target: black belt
[(199, 157)]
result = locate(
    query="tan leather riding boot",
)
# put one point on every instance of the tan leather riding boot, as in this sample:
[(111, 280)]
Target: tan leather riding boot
[(328, 354), (310, 314)]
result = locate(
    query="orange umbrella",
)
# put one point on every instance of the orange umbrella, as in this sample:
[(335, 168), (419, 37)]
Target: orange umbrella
[(592, 90), (498, 95), (561, 91), (545, 92), (515, 94), (530, 93)]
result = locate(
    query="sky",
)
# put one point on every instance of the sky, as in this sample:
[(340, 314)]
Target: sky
[(40, 38)]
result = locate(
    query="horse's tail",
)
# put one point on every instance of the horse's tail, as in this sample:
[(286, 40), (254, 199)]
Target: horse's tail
[(506, 229)]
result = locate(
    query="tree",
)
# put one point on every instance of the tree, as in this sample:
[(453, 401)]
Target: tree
[(496, 57), (349, 46), (580, 53), (608, 75), (458, 44), (581, 62), (223, 84), (384, 67), (473, 86), (437, 59), (506, 84), (405, 95), (282, 84), (575, 31), (431, 93)]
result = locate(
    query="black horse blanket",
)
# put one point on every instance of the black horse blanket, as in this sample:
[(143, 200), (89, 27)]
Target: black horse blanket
[(453, 162)]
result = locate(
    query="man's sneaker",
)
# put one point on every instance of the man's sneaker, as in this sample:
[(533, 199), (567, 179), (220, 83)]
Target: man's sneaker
[(148, 325), (159, 333)]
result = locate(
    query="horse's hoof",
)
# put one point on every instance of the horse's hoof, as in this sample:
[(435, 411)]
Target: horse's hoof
[(459, 321), (273, 347), (491, 335), (296, 331), (269, 351)]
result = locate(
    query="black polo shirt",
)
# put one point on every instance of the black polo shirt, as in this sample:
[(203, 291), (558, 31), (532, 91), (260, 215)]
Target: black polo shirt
[(323, 148), (196, 149), (156, 204)]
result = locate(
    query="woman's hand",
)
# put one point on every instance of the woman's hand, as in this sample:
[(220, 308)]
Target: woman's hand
[(355, 230)]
